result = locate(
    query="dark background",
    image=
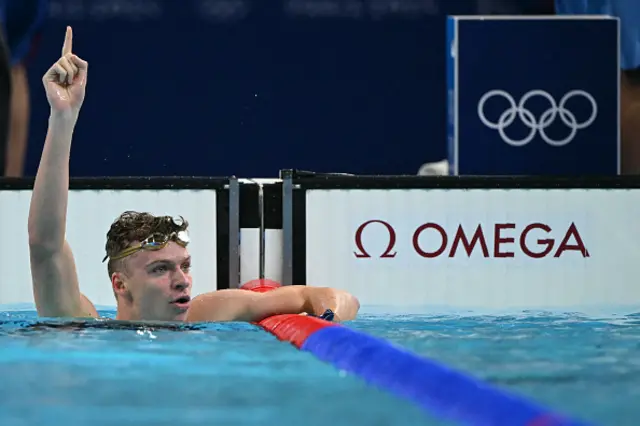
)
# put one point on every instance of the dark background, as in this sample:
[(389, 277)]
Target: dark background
[(248, 87)]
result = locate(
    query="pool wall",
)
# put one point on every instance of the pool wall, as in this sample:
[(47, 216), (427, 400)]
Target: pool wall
[(495, 243), (93, 205)]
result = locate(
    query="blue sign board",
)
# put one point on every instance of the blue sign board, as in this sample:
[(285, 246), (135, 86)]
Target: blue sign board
[(533, 96)]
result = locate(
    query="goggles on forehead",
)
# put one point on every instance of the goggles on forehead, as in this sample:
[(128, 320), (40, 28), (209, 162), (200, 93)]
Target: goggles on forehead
[(156, 241)]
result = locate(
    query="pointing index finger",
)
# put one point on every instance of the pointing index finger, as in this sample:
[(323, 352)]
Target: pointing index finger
[(68, 41)]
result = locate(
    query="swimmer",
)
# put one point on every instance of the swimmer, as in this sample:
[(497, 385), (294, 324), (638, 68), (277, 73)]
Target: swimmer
[(148, 261)]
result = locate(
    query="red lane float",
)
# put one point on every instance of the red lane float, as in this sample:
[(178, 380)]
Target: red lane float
[(260, 285), (292, 328)]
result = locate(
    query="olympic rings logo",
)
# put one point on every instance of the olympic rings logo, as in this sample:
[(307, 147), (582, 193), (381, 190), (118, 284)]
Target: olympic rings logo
[(546, 119)]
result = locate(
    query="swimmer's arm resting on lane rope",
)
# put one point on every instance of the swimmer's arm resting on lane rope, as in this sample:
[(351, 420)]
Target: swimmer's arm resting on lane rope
[(53, 270), (243, 305)]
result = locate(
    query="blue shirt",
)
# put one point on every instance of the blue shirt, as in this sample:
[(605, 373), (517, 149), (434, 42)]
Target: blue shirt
[(21, 22)]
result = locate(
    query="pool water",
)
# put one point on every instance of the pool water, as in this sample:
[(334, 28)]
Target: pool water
[(236, 374)]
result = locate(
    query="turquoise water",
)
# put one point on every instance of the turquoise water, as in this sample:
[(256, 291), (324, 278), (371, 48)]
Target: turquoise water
[(236, 374)]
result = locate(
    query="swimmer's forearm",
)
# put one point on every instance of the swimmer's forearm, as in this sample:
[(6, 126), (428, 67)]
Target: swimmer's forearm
[(48, 209), (295, 299), (243, 305)]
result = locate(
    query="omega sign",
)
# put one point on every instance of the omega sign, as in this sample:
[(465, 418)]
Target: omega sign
[(499, 240)]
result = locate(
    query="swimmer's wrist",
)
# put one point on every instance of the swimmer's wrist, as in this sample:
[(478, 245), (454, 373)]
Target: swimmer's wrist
[(66, 116)]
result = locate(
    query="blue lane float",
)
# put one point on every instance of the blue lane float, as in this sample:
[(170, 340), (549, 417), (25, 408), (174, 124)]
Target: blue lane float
[(437, 388)]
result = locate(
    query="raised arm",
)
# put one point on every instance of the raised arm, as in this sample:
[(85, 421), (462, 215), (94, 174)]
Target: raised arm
[(54, 276)]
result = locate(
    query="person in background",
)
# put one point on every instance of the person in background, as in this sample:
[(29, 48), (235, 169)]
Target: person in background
[(628, 11), (5, 99), (21, 23)]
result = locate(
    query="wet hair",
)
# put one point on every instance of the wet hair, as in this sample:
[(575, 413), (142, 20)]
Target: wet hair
[(131, 227)]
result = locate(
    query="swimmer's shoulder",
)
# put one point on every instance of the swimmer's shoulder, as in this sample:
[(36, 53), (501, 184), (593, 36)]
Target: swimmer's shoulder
[(88, 307)]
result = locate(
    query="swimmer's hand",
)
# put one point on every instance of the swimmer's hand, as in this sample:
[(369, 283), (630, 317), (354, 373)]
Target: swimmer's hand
[(343, 305), (66, 80)]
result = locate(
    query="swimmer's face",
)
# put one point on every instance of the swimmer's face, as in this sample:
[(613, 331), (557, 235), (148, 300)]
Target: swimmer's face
[(158, 283)]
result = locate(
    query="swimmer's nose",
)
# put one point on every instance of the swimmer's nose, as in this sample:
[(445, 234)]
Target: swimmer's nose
[(181, 285), (181, 280)]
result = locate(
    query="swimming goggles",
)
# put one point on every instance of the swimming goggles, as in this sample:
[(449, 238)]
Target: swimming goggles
[(154, 242)]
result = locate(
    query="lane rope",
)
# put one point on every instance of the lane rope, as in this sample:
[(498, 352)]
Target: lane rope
[(436, 387)]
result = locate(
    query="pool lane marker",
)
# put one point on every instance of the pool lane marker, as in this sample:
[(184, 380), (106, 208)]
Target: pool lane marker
[(437, 388)]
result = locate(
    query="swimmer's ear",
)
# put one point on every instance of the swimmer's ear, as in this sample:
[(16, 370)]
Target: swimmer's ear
[(117, 283)]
